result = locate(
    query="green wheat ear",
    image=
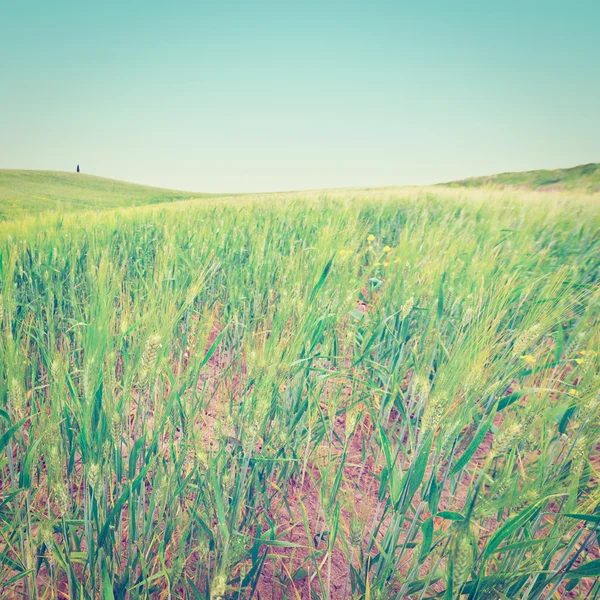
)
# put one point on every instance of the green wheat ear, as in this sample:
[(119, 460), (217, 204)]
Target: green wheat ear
[(149, 356), (17, 399), (462, 558), (116, 428), (218, 587)]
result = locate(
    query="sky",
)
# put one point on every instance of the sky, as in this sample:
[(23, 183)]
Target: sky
[(252, 96)]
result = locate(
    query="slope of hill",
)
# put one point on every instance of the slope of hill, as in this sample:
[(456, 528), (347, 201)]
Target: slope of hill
[(583, 178), (24, 193)]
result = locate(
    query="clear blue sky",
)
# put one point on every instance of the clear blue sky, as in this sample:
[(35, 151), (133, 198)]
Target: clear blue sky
[(260, 96)]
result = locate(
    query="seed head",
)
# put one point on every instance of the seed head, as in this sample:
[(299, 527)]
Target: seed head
[(356, 531), (94, 479), (579, 456), (17, 398), (116, 428), (218, 587), (407, 307), (46, 532), (462, 559), (524, 340), (55, 370), (106, 450), (177, 570), (52, 462), (62, 496), (432, 414), (406, 270), (250, 437), (507, 438), (202, 458), (421, 387), (352, 415), (263, 405), (573, 345), (149, 356)]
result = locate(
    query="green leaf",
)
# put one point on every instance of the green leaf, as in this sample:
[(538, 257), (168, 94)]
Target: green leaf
[(433, 499), (6, 584), (591, 569), (511, 399), (300, 574), (375, 335), (213, 347), (414, 476), (510, 527), (220, 508), (321, 281), (524, 544), (6, 437), (11, 563), (427, 529), (25, 475), (473, 445), (450, 515), (583, 517), (108, 591), (383, 483)]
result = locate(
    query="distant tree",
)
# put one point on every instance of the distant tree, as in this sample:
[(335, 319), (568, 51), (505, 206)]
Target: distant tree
[(78, 168)]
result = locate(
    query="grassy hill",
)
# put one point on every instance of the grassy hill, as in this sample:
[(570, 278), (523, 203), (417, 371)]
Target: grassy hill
[(29, 192), (583, 178), (24, 193)]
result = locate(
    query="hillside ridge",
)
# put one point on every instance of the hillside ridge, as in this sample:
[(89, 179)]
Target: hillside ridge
[(584, 178), (30, 192), (25, 192)]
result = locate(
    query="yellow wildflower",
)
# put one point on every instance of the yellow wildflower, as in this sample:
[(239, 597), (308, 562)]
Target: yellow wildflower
[(387, 249), (370, 238), (528, 358)]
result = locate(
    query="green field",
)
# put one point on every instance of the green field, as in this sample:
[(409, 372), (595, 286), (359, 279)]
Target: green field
[(348, 394)]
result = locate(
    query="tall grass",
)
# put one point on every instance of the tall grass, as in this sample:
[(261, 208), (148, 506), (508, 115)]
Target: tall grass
[(389, 397)]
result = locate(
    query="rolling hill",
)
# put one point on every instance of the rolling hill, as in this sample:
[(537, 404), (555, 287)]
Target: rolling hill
[(25, 193), (583, 178)]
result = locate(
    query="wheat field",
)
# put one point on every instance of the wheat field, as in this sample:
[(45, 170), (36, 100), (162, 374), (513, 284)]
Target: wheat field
[(359, 394)]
